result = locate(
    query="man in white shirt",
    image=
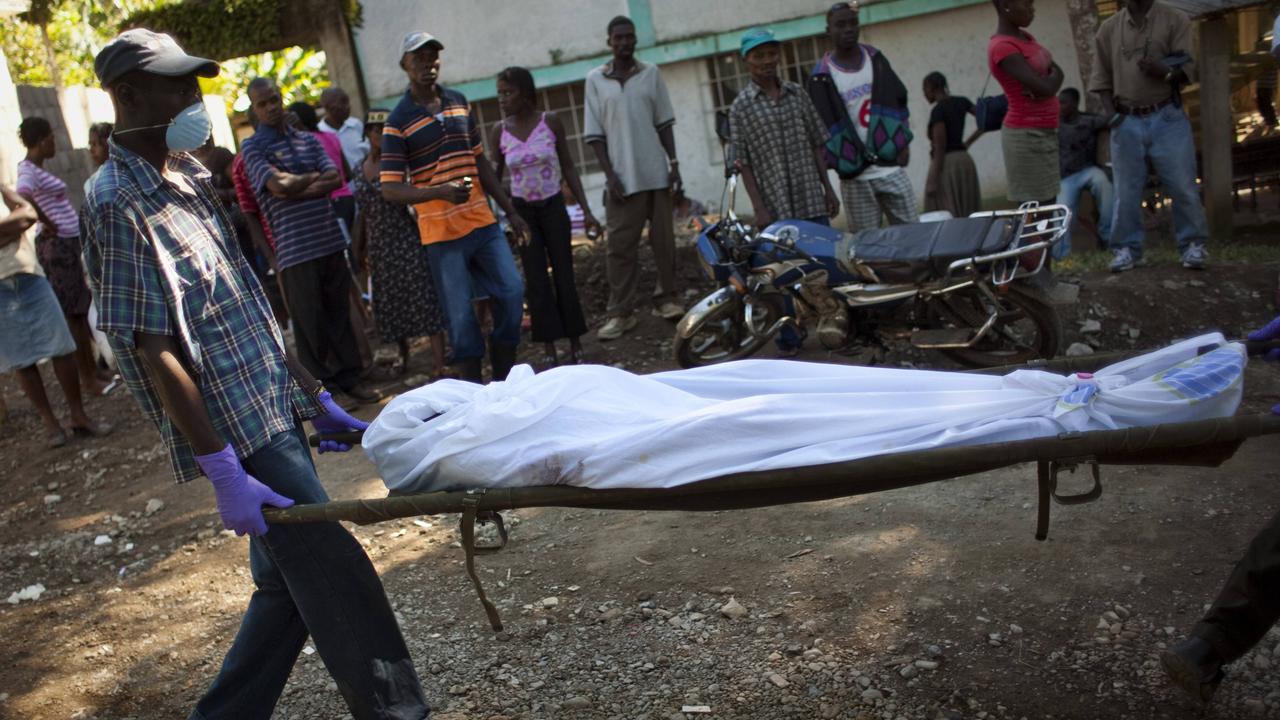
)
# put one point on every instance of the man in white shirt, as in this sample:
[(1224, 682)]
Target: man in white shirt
[(627, 121), (338, 120)]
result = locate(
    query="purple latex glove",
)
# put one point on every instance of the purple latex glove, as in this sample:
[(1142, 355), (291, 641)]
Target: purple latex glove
[(335, 419), (240, 495), (1270, 332)]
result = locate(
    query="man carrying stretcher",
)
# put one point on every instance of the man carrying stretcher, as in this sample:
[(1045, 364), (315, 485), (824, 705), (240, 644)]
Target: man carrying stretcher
[(1246, 607), (196, 343)]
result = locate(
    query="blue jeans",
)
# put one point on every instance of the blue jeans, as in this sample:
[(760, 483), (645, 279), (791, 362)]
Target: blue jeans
[(1095, 180), (789, 338), (312, 579), (482, 259), (1165, 138)]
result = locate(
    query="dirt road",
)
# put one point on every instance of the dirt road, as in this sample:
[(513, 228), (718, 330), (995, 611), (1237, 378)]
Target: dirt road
[(930, 602)]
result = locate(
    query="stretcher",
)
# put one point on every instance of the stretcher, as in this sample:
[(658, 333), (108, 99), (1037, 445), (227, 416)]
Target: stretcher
[(1201, 443)]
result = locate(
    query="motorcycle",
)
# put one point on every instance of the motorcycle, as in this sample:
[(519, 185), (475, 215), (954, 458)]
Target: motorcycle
[(959, 286)]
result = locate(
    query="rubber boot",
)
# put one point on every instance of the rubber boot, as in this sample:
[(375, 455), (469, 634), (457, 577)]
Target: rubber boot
[(469, 370), (501, 358)]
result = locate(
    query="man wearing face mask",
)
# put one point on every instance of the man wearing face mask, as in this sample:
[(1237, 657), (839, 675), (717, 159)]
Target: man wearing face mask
[(196, 344)]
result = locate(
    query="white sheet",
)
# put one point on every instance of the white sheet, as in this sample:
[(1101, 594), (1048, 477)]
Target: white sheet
[(597, 426)]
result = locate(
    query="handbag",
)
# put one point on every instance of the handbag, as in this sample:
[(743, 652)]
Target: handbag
[(989, 110)]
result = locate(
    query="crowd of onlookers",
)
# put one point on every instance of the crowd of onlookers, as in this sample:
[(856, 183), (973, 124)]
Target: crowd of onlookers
[(407, 198), (190, 252)]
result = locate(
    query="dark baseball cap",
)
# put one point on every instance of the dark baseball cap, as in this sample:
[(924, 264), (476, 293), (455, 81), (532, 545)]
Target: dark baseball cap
[(153, 52)]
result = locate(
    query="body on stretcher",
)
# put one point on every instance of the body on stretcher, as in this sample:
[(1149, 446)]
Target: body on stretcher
[(1202, 442), (601, 427)]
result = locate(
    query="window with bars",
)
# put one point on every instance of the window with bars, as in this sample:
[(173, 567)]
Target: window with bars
[(566, 101), (728, 74)]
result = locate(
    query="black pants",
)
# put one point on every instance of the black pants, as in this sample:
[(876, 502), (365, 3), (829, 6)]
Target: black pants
[(1265, 97), (553, 300), (345, 208), (1249, 604), (317, 293)]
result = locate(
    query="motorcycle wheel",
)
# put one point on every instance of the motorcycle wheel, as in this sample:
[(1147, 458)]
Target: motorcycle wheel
[(723, 335), (1027, 329)]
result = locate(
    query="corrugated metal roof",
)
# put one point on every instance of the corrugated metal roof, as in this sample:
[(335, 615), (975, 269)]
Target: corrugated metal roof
[(1198, 8)]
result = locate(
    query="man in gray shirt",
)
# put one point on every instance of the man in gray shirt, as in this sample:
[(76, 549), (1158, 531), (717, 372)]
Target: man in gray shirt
[(628, 119)]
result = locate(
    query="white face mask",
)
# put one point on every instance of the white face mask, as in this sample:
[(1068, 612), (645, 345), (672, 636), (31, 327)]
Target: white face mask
[(186, 132)]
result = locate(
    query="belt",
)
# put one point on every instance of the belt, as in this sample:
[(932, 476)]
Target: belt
[(1141, 110)]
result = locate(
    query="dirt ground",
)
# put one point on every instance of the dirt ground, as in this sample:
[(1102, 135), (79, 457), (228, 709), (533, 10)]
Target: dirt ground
[(929, 602)]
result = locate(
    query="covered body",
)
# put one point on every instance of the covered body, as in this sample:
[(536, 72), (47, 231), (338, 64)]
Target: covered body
[(600, 427)]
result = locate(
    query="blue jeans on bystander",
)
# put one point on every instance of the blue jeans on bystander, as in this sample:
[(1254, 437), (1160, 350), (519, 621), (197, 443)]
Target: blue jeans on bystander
[(1163, 137), (312, 579), (481, 257), (1095, 180)]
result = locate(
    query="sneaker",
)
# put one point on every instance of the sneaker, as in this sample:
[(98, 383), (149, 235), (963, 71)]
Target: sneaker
[(668, 311), (1193, 258), (1122, 260), (616, 327), (1194, 668)]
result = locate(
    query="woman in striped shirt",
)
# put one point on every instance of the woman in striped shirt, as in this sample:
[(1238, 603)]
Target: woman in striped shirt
[(58, 242)]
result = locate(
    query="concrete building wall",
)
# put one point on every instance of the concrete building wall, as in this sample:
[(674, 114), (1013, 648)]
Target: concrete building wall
[(480, 36), (680, 19), (701, 163), (484, 36), (954, 43), (11, 150), (959, 53)]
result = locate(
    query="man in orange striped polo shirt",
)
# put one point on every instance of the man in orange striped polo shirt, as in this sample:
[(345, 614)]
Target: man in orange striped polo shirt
[(431, 154)]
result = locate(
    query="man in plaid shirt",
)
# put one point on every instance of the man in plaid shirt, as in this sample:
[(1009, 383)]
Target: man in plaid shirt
[(196, 344)]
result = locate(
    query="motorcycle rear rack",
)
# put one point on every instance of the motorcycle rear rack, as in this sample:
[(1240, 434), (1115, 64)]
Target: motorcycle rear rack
[(1050, 224)]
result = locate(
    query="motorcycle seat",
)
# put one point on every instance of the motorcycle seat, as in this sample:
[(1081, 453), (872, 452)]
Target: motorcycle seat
[(922, 251)]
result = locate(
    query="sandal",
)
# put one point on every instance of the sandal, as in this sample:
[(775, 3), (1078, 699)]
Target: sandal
[(56, 439), (549, 361), (92, 430)]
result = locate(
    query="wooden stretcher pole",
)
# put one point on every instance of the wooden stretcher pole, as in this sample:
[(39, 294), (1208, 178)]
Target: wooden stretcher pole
[(1203, 443), (1097, 361), (1206, 442)]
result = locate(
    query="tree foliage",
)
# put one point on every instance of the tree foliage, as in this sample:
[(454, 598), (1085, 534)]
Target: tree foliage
[(78, 29), (216, 29), (300, 73)]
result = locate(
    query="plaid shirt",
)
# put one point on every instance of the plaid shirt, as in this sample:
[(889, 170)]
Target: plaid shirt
[(166, 262), (776, 140)]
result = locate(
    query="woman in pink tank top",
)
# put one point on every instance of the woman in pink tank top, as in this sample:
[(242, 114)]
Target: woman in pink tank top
[(532, 145)]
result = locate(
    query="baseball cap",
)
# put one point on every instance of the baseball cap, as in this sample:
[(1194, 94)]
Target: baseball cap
[(415, 40), (754, 38), (153, 52)]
